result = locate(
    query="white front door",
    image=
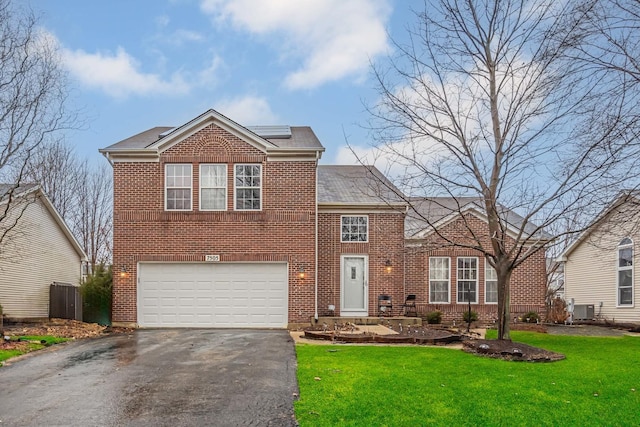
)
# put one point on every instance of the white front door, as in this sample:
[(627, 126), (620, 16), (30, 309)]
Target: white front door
[(354, 286)]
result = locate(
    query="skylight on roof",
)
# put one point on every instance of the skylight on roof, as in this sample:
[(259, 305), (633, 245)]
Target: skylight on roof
[(273, 131)]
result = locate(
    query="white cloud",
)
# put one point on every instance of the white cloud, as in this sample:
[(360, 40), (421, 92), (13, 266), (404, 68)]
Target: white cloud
[(248, 110), (334, 38), (118, 75)]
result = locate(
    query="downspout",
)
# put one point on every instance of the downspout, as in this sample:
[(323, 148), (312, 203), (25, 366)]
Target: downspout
[(315, 314)]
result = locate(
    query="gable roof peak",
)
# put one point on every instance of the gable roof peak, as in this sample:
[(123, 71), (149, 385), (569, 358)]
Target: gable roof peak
[(276, 140)]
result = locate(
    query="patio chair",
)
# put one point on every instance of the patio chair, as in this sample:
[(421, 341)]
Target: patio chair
[(384, 305), (410, 305)]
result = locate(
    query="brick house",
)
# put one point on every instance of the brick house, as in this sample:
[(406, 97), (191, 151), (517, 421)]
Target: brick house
[(220, 225), (443, 276)]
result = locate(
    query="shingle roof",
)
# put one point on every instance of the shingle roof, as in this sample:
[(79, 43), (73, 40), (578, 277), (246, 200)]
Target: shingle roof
[(301, 137), (355, 185), (435, 209), (22, 188)]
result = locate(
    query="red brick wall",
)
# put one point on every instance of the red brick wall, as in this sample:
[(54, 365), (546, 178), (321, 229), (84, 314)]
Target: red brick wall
[(528, 281), (386, 242), (283, 230)]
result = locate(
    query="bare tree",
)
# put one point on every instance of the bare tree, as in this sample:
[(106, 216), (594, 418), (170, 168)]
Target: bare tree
[(488, 99), (80, 193), (57, 169), (92, 216), (32, 101)]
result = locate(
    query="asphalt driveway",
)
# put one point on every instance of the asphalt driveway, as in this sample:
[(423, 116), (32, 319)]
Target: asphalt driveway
[(178, 377)]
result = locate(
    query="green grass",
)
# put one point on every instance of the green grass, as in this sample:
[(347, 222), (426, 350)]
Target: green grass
[(598, 384), (32, 346)]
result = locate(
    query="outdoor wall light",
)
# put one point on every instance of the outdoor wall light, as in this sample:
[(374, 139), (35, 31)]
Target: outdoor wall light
[(388, 266), (124, 272), (301, 273)]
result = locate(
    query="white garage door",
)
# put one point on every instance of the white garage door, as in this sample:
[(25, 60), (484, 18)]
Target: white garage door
[(220, 295)]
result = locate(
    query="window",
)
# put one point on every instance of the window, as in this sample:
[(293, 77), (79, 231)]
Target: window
[(468, 280), (354, 228), (625, 272), (248, 182), (213, 187), (439, 280), (177, 184), (490, 284)]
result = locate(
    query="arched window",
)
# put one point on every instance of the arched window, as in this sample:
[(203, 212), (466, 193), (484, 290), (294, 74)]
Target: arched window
[(625, 272)]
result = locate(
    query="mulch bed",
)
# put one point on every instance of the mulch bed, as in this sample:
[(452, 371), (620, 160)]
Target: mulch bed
[(439, 335), (509, 350), (63, 328)]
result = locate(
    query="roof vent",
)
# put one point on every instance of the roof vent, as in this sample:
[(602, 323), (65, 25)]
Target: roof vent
[(275, 131), (165, 133)]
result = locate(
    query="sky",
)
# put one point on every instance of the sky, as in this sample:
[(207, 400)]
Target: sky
[(137, 64)]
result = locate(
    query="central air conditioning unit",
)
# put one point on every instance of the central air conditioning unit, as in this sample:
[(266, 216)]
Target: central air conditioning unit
[(584, 312)]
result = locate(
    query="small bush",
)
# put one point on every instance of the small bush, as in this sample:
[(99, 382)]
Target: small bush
[(465, 316), (531, 317), (96, 296), (434, 317)]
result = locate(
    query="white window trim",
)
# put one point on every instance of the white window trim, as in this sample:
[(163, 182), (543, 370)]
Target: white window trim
[(166, 189), (226, 187), (448, 280), (618, 269), (458, 279), (487, 266), (235, 188), (354, 216)]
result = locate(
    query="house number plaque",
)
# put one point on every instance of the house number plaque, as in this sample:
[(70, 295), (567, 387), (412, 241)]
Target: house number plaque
[(212, 258)]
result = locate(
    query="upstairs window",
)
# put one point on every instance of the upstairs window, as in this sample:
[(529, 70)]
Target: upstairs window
[(178, 186), (625, 272), (248, 187), (354, 229), (467, 279), (439, 280), (213, 187), (490, 284)]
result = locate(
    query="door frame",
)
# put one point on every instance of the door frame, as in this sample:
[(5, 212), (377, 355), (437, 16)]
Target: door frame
[(365, 278)]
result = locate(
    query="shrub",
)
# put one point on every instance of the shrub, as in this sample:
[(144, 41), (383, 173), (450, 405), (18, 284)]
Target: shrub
[(465, 316), (531, 317), (434, 317), (96, 296)]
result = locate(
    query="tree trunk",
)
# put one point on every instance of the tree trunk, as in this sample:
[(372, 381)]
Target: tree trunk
[(504, 290)]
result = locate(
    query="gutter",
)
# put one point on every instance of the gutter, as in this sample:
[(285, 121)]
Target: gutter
[(315, 304)]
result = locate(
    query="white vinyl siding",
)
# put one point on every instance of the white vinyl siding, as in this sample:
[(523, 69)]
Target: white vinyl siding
[(354, 229), (591, 270), (213, 187), (248, 187), (439, 280), (37, 254), (490, 284), (467, 275), (178, 186)]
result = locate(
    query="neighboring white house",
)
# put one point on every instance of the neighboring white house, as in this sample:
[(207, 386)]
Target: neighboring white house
[(599, 268), (39, 250)]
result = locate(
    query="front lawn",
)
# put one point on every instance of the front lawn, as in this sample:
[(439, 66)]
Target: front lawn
[(597, 384), (26, 344)]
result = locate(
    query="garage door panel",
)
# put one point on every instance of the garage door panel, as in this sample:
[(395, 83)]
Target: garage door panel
[(213, 295)]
